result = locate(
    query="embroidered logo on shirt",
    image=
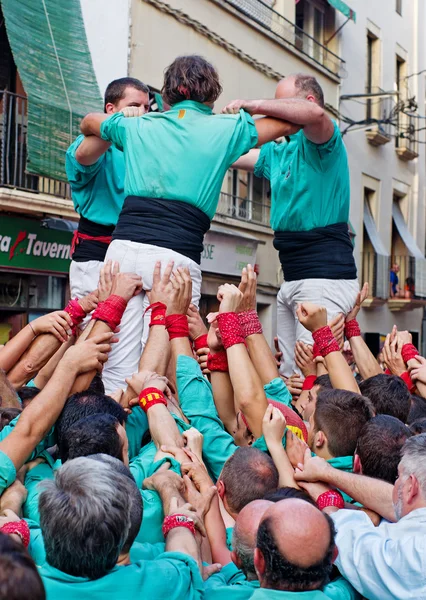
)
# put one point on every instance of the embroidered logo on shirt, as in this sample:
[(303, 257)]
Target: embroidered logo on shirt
[(181, 114), (287, 175)]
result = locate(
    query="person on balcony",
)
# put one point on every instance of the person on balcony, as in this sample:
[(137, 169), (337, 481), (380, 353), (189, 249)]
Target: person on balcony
[(95, 171), (309, 177)]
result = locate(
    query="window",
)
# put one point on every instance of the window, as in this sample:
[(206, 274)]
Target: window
[(400, 73), (372, 83), (398, 7)]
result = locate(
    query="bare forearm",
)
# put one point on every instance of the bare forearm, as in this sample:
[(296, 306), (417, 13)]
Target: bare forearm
[(284, 468), (156, 355), (223, 394), (163, 428), (262, 357), (91, 124), (293, 110), (340, 373), (38, 354), (182, 540), (216, 534), (47, 371), (91, 149), (364, 359), (83, 381), (15, 348)]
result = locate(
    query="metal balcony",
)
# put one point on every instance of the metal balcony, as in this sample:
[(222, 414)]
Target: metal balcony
[(243, 209)]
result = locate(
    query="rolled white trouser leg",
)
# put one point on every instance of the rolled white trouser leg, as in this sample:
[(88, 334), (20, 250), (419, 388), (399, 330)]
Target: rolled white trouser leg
[(336, 295), (84, 278)]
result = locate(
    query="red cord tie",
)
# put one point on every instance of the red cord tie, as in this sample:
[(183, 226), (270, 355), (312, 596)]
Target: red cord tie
[(218, 362), (408, 381), (325, 341), (250, 324), (76, 312), (177, 326), (408, 352), (150, 397), (158, 313), (173, 521), (308, 384), (201, 342), (18, 528), (330, 498), (230, 329), (111, 311), (352, 329)]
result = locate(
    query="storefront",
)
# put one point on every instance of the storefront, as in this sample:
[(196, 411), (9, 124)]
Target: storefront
[(34, 265)]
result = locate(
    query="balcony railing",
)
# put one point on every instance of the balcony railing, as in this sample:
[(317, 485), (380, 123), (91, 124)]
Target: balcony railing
[(406, 142), (271, 20), (243, 209), (13, 150), (380, 109), (376, 271)]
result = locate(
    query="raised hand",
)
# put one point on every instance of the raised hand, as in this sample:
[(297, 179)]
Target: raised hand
[(89, 355), (58, 323), (305, 359), (106, 279), (126, 285), (312, 316), (247, 287), (273, 426), (89, 302), (133, 111), (181, 293), (229, 297), (362, 295), (196, 324), (392, 353), (161, 283), (235, 106)]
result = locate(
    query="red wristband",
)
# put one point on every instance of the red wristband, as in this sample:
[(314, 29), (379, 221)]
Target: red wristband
[(330, 498), (18, 528), (408, 381), (173, 521), (151, 396), (250, 324), (76, 312), (230, 329), (177, 326), (201, 342), (352, 329), (308, 384), (408, 352), (217, 362), (158, 313), (315, 351), (111, 311), (324, 338)]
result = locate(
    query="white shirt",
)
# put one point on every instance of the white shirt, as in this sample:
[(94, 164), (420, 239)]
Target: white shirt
[(386, 562)]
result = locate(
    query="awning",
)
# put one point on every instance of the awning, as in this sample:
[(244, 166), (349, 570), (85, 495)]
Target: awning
[(381, 258), (373, 234), (49, 46), (343, 8)]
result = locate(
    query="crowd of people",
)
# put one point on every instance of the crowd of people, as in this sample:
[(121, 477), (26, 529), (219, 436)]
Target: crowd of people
[(148, 453)]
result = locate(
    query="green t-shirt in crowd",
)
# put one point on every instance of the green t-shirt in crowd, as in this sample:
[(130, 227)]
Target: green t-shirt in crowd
[(97, 190), (343, 463), (7, 472), (309, 182), (182, 154)]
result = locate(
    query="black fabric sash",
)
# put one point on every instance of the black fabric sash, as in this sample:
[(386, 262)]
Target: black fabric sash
[(90, 249)]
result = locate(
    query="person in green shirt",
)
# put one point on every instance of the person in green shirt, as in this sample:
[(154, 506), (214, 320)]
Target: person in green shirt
[(175, 163), (310, 197)]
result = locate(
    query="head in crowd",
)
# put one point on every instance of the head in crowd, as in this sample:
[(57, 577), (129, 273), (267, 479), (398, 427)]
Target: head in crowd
[(27, 393), (378, 450), (247, 475), (395, 268), (191, 78), (389, 395), (83, 404), (244, 536), (409, 492), (288, 492), (295, 547), (337, 422), (321, 383), (417, 409), (301, 86), (85, 517), (95, 434), (19, 578), (418, 426), (97, 385), (7, 415), (123, 92)]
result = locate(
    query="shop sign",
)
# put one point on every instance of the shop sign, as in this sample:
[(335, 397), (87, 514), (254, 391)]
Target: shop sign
[(227, 254), (26, 244)]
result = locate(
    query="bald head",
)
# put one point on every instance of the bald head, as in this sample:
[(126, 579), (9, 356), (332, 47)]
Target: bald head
[(300, 85), (245, 536), (295, 544)]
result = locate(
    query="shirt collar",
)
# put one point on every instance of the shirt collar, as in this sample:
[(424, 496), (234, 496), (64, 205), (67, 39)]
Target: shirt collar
[(419, 513), (192, 105), (343, 463)]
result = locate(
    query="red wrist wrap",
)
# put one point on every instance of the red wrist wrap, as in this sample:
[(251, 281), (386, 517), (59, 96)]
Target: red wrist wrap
[(250, 323), (151, 396), (330, 498), (158, 313), (408, 352), (352, 329), (324, 338), (308, 384), (177, 326), (75, 311), (201, 342), (218, 362), (19, 528), (173, 521), (315, 350), (230, 329), (407, 380), (111, 311)]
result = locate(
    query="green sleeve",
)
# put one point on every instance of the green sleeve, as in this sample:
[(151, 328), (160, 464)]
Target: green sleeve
[(228, 575), (244, 137), (47, 442), (262, 167), (33, 478), (36, 547), (278, 391), (79, 175), (197, 403), (341, 589), (183, 574), (113, 129), (321, 157), (146, 551), (136, 427), (7, 472)]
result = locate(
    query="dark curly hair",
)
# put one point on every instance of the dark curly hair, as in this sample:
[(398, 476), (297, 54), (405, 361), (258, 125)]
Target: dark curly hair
[(191, 78)]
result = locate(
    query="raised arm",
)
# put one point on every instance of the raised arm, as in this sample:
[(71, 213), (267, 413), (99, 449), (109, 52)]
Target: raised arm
[(91, 124), (90, 150)]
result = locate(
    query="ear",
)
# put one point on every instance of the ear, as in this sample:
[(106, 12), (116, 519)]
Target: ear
[(320, 440), (311, 98), (251, 440), (357, 465), (335, 554), (236, 559), (109, 108), (259, 563), (220, 488), (412, 490)]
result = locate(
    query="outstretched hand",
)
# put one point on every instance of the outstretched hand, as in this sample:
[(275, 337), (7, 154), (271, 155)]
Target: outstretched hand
[(312, 316), (362, 295), (247, 287), (180, 295)]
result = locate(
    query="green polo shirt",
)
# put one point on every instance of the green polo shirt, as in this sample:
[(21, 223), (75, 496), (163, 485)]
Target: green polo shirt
[(7, 472), (136, 427), (40, 449), (343, 463), (182, 154), (171, 576), (97, 190), (309, 182), (265, 594)]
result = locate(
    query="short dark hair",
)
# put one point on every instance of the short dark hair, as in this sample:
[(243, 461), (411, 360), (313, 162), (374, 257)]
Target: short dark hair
[(19, 577), (27, 393), (308, 85), (284, 575), (284, 493), (417, 409), (248, 475), (191, 78), (116, 89), (83, 404), (324, 381), (379, 447), (389, 395), (7, 415), (95, 434), (341, 415), (418, 427)]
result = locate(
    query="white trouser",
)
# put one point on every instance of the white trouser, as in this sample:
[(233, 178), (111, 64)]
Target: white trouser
[(84, 278), (337, 295), (134, 327)]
